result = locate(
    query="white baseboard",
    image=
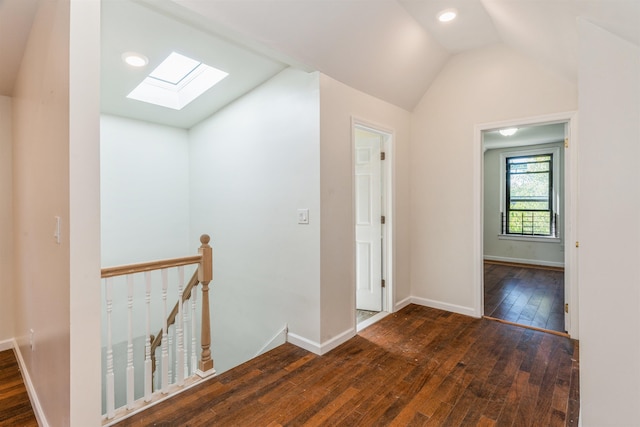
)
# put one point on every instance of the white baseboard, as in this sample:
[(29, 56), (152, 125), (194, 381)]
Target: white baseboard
[(524, 261), (33, 396), (467, 311), (6, 345), (402, 304), (304, 343), (337, 340), (323, 348)]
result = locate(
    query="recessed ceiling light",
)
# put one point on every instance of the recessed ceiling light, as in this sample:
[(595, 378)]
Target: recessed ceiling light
[(135, 59), (508, 131), (176, 82), (447, 15)]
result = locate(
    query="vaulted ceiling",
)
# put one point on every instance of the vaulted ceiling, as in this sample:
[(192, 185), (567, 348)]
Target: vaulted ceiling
[(391, 49)]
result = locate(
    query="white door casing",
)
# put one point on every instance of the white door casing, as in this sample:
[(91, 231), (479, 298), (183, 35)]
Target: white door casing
[(570, 218), (368, 212)]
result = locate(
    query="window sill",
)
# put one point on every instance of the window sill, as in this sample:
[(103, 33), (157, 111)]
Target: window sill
[(523, 238)]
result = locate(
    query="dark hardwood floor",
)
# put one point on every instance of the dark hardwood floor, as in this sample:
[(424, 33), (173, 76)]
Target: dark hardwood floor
[(530, 296), (417, 367), (15, 406)]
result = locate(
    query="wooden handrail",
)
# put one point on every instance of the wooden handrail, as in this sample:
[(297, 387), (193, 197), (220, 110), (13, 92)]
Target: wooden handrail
[(204, 275), (123, 270)]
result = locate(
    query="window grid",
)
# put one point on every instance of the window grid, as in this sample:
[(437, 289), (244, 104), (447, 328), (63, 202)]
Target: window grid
[(529, 187)]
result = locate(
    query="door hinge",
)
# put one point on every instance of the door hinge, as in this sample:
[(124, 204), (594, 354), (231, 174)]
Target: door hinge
[(384, 285), (382, 155), (383, 219), (566, 143), (577, 244), (566, 308)]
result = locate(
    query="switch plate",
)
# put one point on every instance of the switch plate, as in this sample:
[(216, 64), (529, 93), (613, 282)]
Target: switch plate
[(303, 216), (56, 231)]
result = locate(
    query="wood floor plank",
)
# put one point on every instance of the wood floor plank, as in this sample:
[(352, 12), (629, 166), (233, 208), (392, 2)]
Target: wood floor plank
[(417, 367), (526, 295), (15, 406)]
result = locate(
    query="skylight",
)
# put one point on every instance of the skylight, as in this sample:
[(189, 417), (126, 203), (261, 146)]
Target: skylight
[(176, 82)]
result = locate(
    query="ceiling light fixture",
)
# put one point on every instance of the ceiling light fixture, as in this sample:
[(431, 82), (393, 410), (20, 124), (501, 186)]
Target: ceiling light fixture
[(447, 15), (135, 59), (508, 131)]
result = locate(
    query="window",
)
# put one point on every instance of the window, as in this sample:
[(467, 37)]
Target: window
[(529, 193), (529, 188), (176, 82)]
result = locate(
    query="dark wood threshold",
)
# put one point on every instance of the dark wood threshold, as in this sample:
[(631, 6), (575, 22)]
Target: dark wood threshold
[(549, 331), (523, 265)]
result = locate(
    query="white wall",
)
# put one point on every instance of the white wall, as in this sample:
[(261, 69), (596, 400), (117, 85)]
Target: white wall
[(533, 251), (252, 165), (144, 192), (41, 192), (144, 188), (481, 86), (6, 222), (609, 231), (55, 173), (84, 212), (338, 105)]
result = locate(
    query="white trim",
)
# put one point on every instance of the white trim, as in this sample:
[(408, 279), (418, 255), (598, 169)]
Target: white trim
[(334, 342), (157, 397), (570, 203), (6, 345), (525, 238), (467, 311), (370, 321), (492, 145), (524, 261), (304, 343), (571, 226), (33, 396), (402, 304), (323, 348)]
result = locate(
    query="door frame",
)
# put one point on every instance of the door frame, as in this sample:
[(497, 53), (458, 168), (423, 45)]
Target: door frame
[(387, 171), (570, 205)]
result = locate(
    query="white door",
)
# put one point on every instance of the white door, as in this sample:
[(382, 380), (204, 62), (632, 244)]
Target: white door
[(368, 189), (567, 261)]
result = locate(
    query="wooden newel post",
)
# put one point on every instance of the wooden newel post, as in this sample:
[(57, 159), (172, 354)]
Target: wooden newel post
[(205, 275)]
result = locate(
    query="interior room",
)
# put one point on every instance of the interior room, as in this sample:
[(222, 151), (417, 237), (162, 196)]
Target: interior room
[(524, 224)]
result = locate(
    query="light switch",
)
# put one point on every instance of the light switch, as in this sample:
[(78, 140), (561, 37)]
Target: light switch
[(303, 216)]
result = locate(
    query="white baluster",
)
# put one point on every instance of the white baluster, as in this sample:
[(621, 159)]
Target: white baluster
[(194, 355), (185, 316), (147, 344), (165, 334), (179, 331), (111, 412), (172, 351), (130, 371)]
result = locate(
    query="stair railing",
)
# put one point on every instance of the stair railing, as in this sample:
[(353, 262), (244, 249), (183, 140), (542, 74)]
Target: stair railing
[(203, 275)]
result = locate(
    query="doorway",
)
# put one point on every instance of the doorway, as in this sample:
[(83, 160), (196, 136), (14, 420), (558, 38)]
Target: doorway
[(526, 211), (372, 223)]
